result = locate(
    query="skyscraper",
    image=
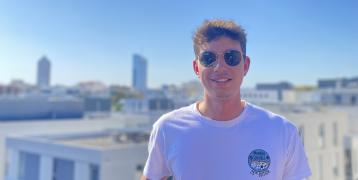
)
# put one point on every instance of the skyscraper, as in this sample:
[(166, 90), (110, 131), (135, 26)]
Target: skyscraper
[(43, 72), (139, 78)]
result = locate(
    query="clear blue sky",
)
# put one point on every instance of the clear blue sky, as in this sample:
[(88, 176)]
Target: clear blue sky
[(296, 41)]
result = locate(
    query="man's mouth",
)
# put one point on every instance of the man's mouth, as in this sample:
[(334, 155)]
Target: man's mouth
[(221, 80)]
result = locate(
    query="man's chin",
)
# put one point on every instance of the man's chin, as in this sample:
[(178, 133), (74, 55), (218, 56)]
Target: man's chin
[(224, 96)]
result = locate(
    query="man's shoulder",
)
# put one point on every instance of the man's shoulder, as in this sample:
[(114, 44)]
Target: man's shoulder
[(267, 116), (176, 115)]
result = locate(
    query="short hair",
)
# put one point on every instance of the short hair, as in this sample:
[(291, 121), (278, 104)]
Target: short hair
[(213, 29)]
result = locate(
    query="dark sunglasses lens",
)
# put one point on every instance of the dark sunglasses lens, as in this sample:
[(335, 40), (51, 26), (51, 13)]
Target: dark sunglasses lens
[(232, 58), (207, 59)]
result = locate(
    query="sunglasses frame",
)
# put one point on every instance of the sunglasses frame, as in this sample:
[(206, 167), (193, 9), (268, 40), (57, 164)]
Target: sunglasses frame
[(214, 63)]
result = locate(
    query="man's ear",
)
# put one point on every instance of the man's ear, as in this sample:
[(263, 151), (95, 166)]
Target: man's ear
[(246, 65), (195, 67)]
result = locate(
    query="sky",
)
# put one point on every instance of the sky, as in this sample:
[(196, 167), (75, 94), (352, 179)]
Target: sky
[(295, 41)]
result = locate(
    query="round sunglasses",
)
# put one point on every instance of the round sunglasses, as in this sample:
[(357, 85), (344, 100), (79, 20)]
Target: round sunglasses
[(210, 59)]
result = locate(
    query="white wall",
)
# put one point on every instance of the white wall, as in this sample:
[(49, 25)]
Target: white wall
[(329, 153), (50, 128), (122, 163)]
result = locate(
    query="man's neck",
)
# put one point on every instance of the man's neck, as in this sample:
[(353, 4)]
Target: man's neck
[(221, 110)]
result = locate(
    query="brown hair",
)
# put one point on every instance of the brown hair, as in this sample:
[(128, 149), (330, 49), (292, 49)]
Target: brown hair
[(213, 29)]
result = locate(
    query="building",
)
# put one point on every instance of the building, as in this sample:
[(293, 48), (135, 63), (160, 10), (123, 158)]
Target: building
[(322, 131), (139, 73), (293, 96), (301, 97), (104, 155), (351, 141), (339, 96), (279, 87), (260, 97), (338, 83), (339, 91), (40, 106), (15, 87), (92, 87), (184, 94), (147, 105), (43, 73), (154, 101), (41, 129), (97, 106)]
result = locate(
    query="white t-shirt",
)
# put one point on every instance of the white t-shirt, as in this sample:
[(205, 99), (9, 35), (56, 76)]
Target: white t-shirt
[(258, 144)]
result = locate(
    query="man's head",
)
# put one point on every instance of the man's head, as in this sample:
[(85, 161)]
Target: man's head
[(220, 58), (214, 29)]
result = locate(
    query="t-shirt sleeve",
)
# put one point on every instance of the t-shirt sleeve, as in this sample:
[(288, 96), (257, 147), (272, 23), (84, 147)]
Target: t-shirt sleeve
[(296, 163), (156, 165)]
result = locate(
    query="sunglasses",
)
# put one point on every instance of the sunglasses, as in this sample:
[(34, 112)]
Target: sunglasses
[(210, 59)]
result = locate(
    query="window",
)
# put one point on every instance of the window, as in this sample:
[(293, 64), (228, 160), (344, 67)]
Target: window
[(335, 165), (29, 166), (94, 172), (63, 169), (320, 168), (335, 133), (321, 136), (337, 99), (348, 166), (353, 100)]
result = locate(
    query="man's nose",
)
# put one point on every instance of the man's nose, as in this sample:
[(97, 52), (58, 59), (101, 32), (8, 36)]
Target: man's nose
[(220, 64)]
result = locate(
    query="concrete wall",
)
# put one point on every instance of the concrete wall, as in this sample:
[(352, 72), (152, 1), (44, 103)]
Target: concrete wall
[(124, 163), (325, 153), (50, 128)]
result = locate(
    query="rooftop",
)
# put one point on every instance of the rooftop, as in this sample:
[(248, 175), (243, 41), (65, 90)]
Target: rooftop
[(108, 140)]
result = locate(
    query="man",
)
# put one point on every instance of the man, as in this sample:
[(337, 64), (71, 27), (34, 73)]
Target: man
[(224, 137)]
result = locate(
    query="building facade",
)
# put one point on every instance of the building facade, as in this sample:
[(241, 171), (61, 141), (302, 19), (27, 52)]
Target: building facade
[(104, 155), (139, 73), (322, 132), (43, 73)]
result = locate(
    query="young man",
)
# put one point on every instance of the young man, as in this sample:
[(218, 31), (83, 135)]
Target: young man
[(224, 137)]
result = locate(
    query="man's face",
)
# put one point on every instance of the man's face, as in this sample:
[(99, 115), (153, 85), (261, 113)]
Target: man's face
[(221, 81)]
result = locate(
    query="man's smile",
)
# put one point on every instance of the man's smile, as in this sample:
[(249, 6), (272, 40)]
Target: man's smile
[(221, 80)]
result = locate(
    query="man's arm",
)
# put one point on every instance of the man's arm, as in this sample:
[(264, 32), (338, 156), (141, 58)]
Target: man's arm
[(156, 166)]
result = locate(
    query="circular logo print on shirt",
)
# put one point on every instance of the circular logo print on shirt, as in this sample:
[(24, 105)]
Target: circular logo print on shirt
[(259, 162)]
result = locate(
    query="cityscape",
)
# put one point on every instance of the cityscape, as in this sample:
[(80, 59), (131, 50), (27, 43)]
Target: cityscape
[(86, 131), (83, 82)]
